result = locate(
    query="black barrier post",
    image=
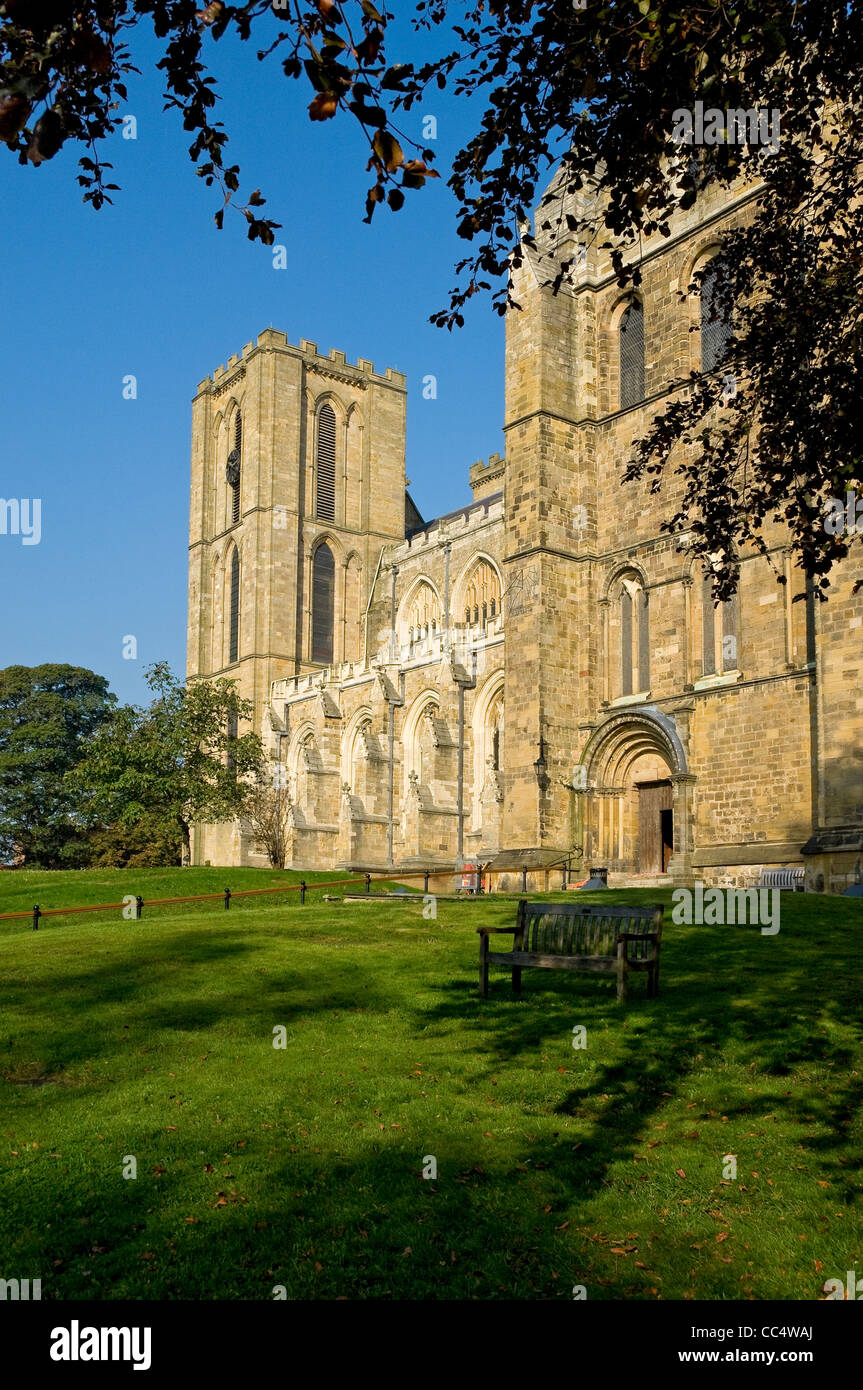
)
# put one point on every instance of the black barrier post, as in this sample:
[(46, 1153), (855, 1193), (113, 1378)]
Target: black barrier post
[(36, 915), (227, 898), (426, 882), (302, 890), (139, 906), (524, 880), (563, 877), (368, 883)]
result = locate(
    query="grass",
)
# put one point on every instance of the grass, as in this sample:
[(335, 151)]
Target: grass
[(20, 889), (302, 1167)]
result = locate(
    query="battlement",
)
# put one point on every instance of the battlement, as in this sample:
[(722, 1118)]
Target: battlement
[(486, 477), (452, 526), (334, 361)]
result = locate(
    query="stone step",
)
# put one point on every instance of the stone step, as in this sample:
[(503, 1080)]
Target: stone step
[(621, 880)]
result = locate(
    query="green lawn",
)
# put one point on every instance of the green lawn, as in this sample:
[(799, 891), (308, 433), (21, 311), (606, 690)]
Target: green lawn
[(302, 1167)]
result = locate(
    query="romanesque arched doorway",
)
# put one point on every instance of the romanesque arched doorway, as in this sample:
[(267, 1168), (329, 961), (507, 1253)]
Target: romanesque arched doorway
[(636, 798)]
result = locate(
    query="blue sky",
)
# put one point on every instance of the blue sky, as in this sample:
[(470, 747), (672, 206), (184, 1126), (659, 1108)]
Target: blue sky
[(149, 287)]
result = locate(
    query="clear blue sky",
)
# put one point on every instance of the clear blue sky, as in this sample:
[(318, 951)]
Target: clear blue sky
[(149, 287)]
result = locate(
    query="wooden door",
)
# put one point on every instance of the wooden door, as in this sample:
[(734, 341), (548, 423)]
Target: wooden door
[(655, 827)]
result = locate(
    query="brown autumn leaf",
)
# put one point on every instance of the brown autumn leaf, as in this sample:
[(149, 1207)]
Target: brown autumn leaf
[(323, 106), (388, 151), (680, 1172), (722, 1235), (420, 169)]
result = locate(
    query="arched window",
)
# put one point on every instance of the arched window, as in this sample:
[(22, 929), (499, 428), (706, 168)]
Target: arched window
[(631, 355), (234, 468), (325, 495), (234, 609), (323, 604), (423, 614), (482, 595), (634, 638), (719, 632), (715, 325)]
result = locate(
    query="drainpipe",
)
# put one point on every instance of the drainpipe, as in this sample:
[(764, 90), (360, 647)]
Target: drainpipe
[(400, 699)]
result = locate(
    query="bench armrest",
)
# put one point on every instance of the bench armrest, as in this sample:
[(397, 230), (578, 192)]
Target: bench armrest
[(495, 931)]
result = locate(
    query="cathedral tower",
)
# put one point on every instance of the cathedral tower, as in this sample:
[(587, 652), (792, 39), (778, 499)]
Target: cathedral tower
[(298, 481)]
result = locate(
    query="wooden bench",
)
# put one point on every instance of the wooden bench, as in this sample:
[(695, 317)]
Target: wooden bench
[(607, 940)]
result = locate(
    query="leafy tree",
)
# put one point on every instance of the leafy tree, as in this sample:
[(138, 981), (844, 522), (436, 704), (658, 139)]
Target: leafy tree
[(149, 843), (174, 763), (594, 85), (48, 714)]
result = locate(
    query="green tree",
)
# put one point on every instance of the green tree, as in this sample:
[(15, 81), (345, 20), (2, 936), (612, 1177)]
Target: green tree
[(149, 843), (48, 714), (176, 762), (594, 86)]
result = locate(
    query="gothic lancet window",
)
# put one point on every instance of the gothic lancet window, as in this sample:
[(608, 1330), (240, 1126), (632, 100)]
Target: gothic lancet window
[(482, 595), (325, 493), (634, 638), (234, 468), (234, 610), (424, 614), (715, 326), (719, 632), (631, 355), (323, 603)]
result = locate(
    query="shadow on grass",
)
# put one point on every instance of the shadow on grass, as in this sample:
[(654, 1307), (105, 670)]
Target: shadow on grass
[(774, 1003), (489, 1227)]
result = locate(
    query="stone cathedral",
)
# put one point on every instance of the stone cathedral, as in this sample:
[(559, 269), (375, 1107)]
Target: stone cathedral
[(541, 676)]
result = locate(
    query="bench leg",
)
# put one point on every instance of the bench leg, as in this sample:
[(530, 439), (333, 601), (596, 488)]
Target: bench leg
[(516, 979), (483, 967), (621, 973)]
